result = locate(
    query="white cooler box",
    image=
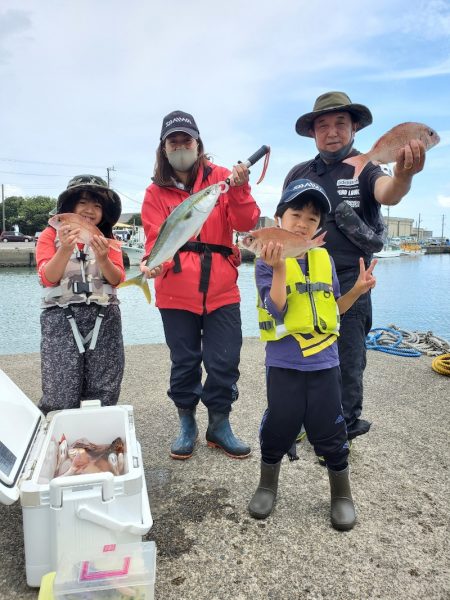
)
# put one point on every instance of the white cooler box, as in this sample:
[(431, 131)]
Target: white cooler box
[(76, 513)]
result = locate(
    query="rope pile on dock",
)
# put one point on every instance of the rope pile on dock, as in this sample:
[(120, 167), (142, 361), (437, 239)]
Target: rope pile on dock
[(402, 342), (441, 364)]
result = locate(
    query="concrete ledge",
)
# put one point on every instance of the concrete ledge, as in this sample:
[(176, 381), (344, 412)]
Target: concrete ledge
[(17, 254)]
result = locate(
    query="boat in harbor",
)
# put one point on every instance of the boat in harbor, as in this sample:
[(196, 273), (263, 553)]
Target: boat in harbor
[(135, 252), (388, 253)]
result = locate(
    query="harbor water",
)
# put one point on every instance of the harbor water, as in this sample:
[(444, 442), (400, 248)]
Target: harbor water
[(412, 292)]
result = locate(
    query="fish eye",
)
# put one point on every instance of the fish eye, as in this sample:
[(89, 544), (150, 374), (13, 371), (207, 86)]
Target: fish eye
[(431, 132)]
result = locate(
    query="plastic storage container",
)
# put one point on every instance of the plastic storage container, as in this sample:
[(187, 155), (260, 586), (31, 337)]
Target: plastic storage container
[(74, 513), (123, 571)]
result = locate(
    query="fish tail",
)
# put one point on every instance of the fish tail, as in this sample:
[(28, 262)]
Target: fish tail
[(359, 162), (141, 282)]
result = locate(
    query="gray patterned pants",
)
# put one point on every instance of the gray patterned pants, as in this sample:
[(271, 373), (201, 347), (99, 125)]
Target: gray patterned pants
[(68, 376)]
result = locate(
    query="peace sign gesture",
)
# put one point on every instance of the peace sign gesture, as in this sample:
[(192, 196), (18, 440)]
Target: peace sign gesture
[(366, 281)]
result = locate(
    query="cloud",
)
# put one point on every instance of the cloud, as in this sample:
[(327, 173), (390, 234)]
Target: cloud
[(444, 201), (13, 190), (442, 68), (12, 22)]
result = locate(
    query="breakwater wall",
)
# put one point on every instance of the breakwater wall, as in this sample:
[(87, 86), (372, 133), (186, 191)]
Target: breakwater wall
[(20, 254), (23, 255)]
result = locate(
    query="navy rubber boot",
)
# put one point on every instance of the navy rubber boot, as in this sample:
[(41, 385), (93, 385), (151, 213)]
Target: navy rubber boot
[(183, 446), (220, 435)]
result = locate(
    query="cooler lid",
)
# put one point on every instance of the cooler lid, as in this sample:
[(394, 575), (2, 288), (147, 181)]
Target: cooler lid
[(20, 420)]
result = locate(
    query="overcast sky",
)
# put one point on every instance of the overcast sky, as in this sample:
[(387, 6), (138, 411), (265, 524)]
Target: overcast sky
[(85, 85)]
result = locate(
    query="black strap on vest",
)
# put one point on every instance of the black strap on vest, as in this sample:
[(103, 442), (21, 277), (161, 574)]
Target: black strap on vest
[(206, 251)]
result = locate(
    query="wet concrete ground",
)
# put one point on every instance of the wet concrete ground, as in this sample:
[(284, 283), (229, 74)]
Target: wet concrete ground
[(209, 548)]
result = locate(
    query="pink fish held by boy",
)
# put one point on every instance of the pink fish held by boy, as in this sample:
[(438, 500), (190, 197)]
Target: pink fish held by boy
[(385, 150), (87, 229), (293, 245)]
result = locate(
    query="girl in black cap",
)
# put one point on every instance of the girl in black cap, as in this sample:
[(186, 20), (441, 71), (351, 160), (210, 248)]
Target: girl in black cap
[(82, 354)]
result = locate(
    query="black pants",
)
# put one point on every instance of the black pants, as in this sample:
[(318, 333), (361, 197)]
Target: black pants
[(68, 376), (309, 398), (355, 325), (214, 339)]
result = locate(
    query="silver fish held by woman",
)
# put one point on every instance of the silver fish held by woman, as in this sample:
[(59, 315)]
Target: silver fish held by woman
[(181, 225), (293, 245), (385, 149)]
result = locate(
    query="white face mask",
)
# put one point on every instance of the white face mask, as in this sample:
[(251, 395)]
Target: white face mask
[(182, 159)]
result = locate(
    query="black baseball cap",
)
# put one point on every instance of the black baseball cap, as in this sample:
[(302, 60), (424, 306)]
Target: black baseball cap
[(178, 120), (300, 187)]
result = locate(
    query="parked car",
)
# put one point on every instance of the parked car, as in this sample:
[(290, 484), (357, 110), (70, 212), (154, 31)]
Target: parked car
[(12, 236)]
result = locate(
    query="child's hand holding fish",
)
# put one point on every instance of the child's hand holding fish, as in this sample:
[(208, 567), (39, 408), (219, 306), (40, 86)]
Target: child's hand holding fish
[(100, 246), (272, 254), (68, 237)]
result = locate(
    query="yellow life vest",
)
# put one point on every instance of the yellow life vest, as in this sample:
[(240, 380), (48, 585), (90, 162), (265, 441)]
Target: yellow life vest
[(312, 314)]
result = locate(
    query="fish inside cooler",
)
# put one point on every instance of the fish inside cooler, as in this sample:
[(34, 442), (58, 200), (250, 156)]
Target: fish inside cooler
[(83, 442)]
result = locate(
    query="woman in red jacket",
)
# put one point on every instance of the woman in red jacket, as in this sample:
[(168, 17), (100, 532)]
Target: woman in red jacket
[(196, 292)]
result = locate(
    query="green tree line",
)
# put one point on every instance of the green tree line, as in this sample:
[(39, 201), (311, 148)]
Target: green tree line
[(31, 214)]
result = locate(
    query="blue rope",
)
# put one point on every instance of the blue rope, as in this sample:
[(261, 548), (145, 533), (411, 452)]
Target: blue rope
[(374, 342)]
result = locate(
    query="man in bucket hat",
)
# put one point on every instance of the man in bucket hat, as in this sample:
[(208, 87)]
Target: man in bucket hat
[(354, 225)]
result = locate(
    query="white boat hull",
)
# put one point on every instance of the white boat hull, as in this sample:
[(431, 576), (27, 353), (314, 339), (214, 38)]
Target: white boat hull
[(387, 254), (134, 254)]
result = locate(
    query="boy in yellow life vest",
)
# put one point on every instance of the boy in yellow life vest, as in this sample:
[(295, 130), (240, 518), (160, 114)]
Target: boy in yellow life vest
[(299, 308)]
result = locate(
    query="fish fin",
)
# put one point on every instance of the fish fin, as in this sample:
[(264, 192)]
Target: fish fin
[(141, 282), (359, 162), (319, 240)]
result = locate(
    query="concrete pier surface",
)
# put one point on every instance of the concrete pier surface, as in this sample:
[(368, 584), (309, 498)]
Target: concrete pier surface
[(209, 548)]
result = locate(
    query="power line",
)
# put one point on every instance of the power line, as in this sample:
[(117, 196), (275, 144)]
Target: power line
[(34, 174), (128, 197), (40, 162)]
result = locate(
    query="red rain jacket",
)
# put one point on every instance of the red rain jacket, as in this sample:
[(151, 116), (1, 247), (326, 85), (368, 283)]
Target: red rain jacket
[(235, 210)]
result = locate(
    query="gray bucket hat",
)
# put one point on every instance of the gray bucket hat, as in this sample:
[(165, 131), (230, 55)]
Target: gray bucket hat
[(333, 102)]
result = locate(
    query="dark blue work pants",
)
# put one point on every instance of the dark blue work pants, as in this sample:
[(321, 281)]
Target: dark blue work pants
[(214, 339), (355, 325), (309, 398)]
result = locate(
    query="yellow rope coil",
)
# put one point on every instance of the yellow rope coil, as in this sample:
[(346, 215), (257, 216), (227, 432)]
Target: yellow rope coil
[(441, 364)]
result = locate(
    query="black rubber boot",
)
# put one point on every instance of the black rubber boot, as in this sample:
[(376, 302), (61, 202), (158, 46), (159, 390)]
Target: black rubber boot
[(359, 427), (343, 515), (220, 435), (262, 503), (183, 446)]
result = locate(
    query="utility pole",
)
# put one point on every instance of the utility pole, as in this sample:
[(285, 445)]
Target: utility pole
[(418, 229), (3, 207), (442, 231), (108, 169)]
